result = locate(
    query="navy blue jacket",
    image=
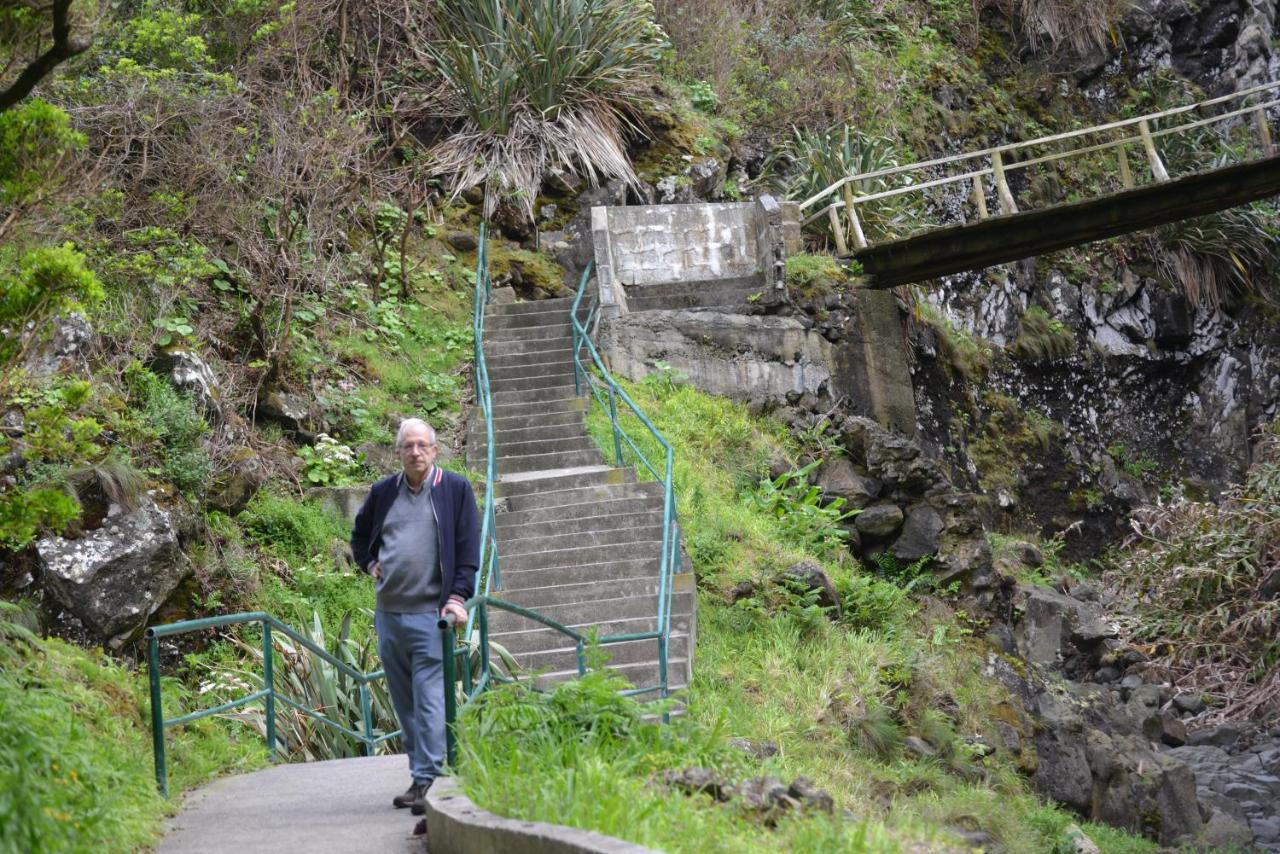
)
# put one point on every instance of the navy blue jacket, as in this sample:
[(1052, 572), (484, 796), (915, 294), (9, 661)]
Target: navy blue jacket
[(457, 529)]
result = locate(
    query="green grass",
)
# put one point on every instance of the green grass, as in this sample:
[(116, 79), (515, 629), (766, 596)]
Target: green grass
[(837, 697), (75, 750)]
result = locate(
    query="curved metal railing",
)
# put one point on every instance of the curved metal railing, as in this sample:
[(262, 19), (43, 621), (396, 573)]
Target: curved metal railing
[(268, 693)]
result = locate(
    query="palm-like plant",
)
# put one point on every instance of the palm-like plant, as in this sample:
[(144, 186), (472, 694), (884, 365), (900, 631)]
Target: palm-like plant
[(813, 161), (536, 84)]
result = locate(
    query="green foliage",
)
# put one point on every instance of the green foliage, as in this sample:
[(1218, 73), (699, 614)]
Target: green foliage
[(540, 84), (813, 276), (75, 757), (703, 97), (803, 519), (294, 531), (308, 679), (163, 38), (814, 161), (1219, 258), (329, 462), (38, 284), (168, 421), (1042, 338), (24, 513), (35, 137)]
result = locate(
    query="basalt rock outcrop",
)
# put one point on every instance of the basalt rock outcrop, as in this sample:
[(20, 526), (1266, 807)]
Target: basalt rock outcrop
[(117, 575)]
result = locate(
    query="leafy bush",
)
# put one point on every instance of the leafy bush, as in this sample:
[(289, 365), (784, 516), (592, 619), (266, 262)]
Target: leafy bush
[(295, 531), (170, 420), (537, 84), (1221, 257), (38, 284), (803, 519), (329, 462), (34, 138), (813, 161)]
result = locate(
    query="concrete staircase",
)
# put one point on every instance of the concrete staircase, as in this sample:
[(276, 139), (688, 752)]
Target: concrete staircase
[(578, 540), (721, 294)]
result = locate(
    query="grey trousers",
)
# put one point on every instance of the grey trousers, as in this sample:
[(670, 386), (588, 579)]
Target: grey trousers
[(409, 645)]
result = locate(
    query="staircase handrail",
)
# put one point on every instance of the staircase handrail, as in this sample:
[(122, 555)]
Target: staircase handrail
[(670, 546), (488, 573), (268, 693)]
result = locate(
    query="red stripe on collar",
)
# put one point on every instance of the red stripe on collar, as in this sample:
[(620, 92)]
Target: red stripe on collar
[(439, 476)]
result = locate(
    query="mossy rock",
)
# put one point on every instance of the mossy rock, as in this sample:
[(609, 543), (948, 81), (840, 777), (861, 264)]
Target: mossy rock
[(532, 274)]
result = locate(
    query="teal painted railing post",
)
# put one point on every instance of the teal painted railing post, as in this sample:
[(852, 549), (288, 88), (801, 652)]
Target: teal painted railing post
[(269, 683), (157, 715), (450, 690), (366, 715), (484, 640), (613, 419)]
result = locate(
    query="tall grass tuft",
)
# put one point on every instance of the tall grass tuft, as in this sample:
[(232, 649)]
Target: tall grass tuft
[(533, 85)]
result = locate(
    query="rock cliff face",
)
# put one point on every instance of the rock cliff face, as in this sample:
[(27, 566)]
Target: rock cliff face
[(1154, 391)]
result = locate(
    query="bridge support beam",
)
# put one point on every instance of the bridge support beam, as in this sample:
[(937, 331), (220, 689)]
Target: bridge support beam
[(947, 251)]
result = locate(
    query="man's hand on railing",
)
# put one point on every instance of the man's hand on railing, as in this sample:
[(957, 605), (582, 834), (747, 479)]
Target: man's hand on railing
[(452, 607), (375, 569)]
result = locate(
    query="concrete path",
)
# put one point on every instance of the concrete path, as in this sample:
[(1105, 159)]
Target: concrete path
[(341, 806)]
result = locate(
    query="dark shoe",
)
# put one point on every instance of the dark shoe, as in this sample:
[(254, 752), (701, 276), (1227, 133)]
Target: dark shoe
[(419, 805), (420, 829), (410, 797)]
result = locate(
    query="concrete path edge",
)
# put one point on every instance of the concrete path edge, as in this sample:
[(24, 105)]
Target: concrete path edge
[(455, 825)]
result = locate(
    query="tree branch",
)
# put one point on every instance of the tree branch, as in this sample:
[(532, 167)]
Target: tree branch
[(65, 46)]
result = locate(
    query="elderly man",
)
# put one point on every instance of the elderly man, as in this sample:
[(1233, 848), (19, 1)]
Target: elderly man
[(418, 535)]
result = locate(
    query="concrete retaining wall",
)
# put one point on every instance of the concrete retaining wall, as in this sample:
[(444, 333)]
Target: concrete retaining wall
[(455, 825)]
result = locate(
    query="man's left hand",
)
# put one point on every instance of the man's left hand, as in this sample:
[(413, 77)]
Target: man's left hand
[(459, 612)]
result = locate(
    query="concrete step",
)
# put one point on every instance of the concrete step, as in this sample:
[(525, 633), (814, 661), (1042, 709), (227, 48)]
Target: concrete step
[(511, 450), (520, 634), (572, 556), (589, 492), (538, 598), (513, 368), (525, 320), (560, 332), (504, 354), (515, 550), (624, 652), (582, 573), (575, 414), (562, 376), (560, 391), (510, 536), (536, 306), (521, 432), (646, 503), (549, 462), (525, 409)]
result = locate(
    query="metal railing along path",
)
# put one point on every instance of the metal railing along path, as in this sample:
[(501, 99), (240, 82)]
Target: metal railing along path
[(268, 693), (995, 161)]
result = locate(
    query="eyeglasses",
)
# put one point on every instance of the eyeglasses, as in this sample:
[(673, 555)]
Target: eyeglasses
[(417, 446)]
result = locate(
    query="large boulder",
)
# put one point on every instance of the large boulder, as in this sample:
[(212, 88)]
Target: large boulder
[(342, 501), (839, 479), (116, 576), (808, 576), (1142, 791), (191, 374)]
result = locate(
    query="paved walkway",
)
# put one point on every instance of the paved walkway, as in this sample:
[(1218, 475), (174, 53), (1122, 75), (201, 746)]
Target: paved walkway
[(341, 806)]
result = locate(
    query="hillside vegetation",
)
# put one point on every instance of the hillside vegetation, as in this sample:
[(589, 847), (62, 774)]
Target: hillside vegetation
[(237, 247)]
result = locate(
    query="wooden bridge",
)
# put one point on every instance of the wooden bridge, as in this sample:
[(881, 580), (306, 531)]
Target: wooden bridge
[(1222, 146)]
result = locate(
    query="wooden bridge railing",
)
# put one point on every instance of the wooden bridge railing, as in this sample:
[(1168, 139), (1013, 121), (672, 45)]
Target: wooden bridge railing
[(998, 162)]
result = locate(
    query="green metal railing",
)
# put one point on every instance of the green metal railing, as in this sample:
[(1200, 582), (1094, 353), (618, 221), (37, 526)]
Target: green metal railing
[(488, 576), (268, 693), (606, 392)]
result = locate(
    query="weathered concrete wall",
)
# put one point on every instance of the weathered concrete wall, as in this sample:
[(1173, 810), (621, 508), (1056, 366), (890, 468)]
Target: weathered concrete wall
[(871, 363), (680, 243), (764, 361)]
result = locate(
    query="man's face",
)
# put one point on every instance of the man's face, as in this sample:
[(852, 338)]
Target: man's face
[(417, 452)]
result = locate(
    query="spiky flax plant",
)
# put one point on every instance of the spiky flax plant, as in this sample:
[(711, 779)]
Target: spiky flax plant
[(531, 85)]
